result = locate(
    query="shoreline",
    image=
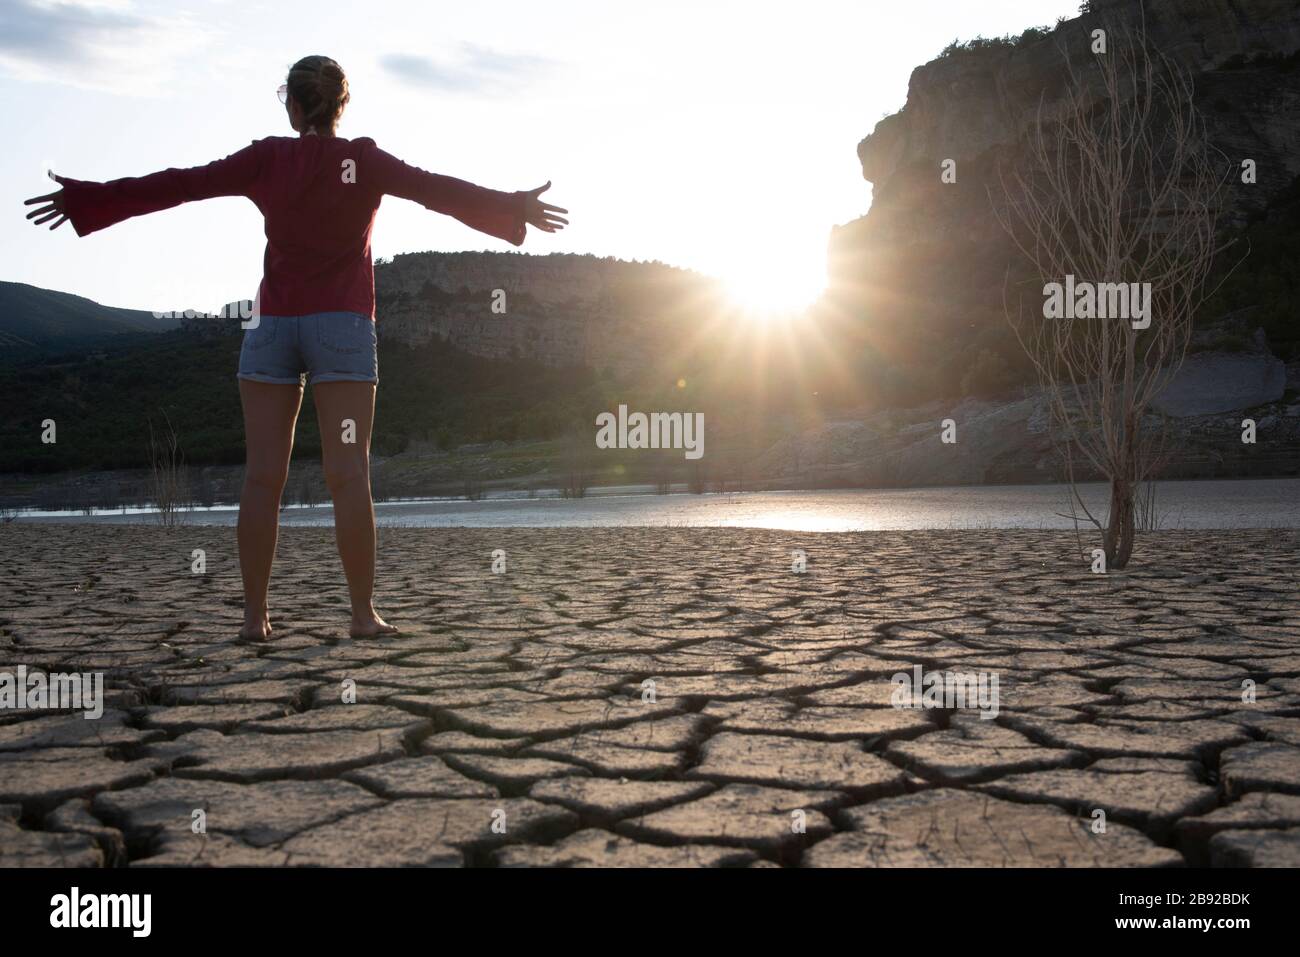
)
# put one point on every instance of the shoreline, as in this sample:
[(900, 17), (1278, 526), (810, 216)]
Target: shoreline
[(1189, 503)]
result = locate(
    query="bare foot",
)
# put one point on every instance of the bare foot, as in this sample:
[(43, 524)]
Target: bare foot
[(256, 629), (368, 626)]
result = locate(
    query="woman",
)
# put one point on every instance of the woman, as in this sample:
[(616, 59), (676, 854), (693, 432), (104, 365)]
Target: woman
[(314, 316)]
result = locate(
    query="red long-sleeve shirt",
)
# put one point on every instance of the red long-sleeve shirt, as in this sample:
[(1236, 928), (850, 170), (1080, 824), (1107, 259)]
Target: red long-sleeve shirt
[(318, 196)]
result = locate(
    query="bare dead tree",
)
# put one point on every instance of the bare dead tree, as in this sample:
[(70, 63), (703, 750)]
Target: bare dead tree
[(168, 482), (1118, 184), (577, 464)]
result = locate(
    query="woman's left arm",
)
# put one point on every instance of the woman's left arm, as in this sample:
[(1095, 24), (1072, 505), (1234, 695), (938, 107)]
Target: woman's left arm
[(94, 206), (491, 211)]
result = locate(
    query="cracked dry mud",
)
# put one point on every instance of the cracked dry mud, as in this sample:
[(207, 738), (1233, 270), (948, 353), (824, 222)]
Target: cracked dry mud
[(510, 723)]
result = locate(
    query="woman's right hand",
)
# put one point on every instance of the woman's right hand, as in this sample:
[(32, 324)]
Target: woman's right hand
[(53, 209)]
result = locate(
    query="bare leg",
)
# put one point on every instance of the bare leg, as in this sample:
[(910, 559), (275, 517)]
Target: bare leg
[(346, 411), (270, 414)]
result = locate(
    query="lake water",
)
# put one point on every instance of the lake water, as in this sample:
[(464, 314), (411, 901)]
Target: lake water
[(1244, 503)]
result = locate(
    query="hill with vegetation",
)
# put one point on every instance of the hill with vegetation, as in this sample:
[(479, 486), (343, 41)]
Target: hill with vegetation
[(37, 322)]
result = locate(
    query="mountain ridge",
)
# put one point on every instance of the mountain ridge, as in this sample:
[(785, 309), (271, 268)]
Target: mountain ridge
[(34, 321)]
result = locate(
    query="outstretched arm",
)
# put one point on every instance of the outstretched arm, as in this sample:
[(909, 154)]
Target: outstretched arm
[(497, 213), (94, 206)]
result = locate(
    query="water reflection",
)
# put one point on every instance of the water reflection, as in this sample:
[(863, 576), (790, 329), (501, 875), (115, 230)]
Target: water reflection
[(1249, 503)]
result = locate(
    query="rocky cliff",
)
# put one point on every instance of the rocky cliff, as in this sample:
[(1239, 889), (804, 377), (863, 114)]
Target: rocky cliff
[(918, 280), (968, 103), (560, 309), (928, 260)]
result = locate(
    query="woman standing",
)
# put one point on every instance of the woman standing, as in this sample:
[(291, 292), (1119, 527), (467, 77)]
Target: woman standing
[(314, 318)]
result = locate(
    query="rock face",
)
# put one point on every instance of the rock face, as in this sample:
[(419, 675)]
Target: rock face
[(1221, 382), (923, 272), (925, 267), (1008, 441), (560, 309), (964, 105)]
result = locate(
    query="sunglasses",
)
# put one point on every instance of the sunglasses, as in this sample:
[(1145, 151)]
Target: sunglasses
[(283, 93)]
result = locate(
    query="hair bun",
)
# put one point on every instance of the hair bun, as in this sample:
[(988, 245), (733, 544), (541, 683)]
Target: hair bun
[(320, 87), (333, 73)]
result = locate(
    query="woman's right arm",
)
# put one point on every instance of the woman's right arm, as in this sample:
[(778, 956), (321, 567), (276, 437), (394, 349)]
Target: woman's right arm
[(94, 206)]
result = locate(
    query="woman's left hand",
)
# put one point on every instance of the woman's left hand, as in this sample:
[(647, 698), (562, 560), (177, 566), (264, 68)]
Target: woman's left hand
[(542, 215), (54, 209)]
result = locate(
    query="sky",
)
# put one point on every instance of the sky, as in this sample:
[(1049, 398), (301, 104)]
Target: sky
[(710, 134)]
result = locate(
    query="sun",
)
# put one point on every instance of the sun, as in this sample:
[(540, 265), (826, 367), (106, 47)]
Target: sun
[(766, 287)]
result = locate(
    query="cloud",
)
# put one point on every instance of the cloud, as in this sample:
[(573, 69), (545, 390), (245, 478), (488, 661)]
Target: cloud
[(477, 70), (94, 44)]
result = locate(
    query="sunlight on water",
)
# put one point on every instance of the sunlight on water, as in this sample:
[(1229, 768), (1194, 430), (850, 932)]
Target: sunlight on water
[(1250, 503)]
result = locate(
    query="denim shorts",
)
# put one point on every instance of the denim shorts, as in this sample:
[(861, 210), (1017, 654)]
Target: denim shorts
[(324, 346)]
